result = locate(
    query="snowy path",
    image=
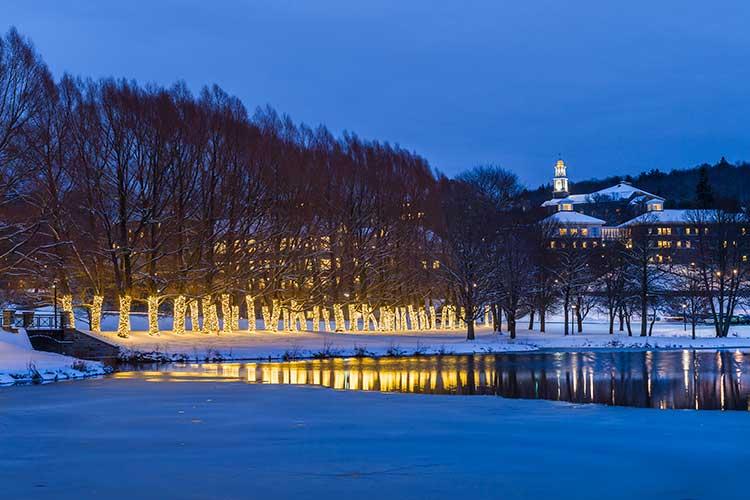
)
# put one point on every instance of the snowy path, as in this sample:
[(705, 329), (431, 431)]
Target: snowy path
[(264, 345), (194, 440), (20, 363)]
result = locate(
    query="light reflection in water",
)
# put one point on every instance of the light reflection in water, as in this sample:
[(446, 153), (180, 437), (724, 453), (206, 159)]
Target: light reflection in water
[(665, 379)]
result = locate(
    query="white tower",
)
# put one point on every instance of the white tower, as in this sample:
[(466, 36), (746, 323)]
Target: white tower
[(560, 182)]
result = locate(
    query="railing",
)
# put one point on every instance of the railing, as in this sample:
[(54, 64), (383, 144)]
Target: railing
[(33, 321)]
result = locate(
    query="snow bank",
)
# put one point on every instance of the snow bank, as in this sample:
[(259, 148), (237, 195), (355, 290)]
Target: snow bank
[(19, 362)]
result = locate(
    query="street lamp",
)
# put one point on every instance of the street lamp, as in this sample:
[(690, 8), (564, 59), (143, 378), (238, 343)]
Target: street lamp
[(54, 302)]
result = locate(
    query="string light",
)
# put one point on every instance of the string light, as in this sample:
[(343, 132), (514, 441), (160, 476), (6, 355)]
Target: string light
[(179, 315), (423, 323), (96, 314), (226, 313), (123, 324), (326, 319), (338, 318), (153, 314), (195, 316), (67, 307), (316, 318), (250, 304), (266, 317), (210, 316), (235, 318)]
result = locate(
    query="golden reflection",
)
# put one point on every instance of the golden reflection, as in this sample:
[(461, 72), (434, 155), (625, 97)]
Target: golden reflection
[(676, 379)]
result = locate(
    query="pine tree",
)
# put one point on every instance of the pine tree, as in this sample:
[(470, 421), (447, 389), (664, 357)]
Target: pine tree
[(704, 194)]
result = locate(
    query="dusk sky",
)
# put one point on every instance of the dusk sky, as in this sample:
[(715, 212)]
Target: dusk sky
[(613, 87)]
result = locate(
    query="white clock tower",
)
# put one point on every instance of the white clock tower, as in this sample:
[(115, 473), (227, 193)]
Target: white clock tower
[(560, 181)]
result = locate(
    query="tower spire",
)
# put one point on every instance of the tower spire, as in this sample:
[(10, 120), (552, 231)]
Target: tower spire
[(560, 181)]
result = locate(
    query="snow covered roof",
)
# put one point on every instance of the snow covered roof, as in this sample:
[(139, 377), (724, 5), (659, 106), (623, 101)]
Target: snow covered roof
[(574, 218), (619, 192), (623, 191), (573, 198), (669, 216)]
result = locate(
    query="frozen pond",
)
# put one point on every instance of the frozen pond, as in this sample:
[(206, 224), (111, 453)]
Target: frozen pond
[(199, 432), (711, 380)]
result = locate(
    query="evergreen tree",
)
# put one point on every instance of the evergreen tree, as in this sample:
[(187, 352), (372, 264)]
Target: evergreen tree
[(704, 194)]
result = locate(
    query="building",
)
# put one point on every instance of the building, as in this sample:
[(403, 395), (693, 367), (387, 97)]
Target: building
[(623, 213), (615, 204)]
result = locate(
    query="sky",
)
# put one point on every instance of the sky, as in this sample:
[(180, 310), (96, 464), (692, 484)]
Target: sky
[(613, 87)]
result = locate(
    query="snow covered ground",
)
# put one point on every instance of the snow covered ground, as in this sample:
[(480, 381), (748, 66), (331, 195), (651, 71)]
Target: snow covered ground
[(281, 345), (194, 440), (20, 363)]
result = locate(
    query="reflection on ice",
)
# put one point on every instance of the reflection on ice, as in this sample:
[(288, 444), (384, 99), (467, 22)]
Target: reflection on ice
[(665, 379)]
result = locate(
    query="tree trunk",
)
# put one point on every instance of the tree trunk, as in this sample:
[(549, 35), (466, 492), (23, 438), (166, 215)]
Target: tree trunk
[(644, 314), (611, 322), (542, 320), (531, 319)]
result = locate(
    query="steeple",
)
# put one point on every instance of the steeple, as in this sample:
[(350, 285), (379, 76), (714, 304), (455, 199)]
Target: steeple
[(560, 181)]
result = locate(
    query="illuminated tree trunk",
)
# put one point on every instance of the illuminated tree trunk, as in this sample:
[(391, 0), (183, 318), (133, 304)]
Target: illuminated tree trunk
[(123, 325), (195, 316), (178, 306), (326, 319), (250, 305), (153, 315), (67, 308), (226, 313), (235, 318), (316, 318), (338, 318), (96, 314)]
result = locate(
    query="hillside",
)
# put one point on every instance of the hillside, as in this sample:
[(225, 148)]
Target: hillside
[(730, 184)]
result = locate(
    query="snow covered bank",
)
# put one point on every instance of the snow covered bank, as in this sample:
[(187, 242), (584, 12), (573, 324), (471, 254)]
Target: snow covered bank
[(113, 438), (287, 345), (19, 362)]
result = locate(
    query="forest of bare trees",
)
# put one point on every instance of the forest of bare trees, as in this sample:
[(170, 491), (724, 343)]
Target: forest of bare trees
[(131, 197)]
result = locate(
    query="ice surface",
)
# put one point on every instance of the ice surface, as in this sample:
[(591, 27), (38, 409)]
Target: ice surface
[(113, 439)]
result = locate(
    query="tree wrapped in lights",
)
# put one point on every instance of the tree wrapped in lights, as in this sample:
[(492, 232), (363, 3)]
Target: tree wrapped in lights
[(250, 305), (433, 318), (293, 316), (153, 314), (423, 322), (266, 313), (326, 319), (96, 313), (179, 315), (67, 307), (338, 318), (285, 319), (195, 316), (235, 318), (486, 316), (210, 316), (353, 319), (315, 318), (123, 324), (462, 318), (226, 313), (276, 314)]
